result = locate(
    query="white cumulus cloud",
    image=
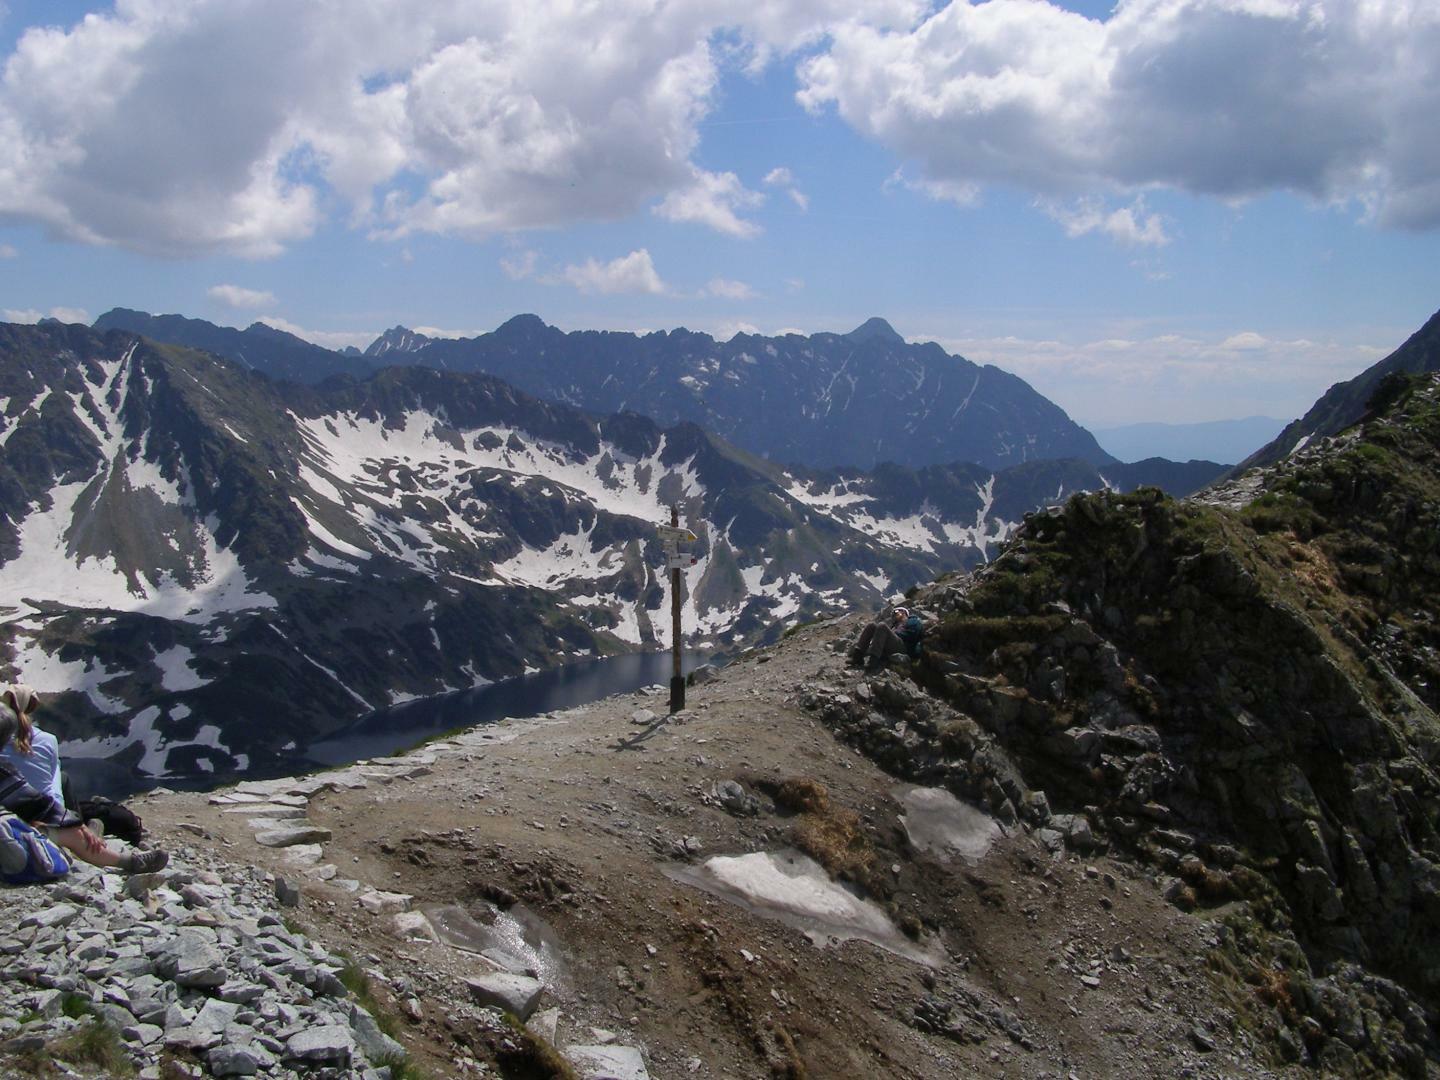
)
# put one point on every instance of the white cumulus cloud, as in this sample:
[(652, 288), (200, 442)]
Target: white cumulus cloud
[(519, 267), (1331, 99), (729, 290), (236, 296), (189, 127), (713, 199), (632, 273), (784, 179), (1131, 225)]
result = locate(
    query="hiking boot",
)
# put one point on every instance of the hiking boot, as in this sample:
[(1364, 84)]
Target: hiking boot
[(147, 862), (855, 659)]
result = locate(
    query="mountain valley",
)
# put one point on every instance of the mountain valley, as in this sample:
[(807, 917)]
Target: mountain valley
[(209, 570)]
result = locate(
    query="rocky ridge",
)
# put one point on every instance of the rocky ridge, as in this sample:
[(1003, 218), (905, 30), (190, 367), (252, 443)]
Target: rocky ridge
[(1345, 402), (1238, 692)]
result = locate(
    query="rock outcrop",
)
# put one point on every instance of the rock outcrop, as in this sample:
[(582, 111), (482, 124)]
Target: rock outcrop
[(1239, 692)]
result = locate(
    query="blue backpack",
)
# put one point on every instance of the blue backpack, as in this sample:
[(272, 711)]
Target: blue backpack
[(27, 857)]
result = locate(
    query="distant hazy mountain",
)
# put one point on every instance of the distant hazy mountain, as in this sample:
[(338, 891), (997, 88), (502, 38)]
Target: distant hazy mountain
[(394, 341), (1344, 403), (824, 400), (259, 347), (1226, 441)]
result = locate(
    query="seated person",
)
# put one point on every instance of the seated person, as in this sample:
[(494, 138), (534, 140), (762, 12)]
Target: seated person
[(33, 753), (880, 640), (34, 803)]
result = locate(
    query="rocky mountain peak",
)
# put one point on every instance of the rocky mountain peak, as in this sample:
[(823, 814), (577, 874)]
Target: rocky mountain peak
[(876, 329), (274, 333), (398, 339), (523, 326)]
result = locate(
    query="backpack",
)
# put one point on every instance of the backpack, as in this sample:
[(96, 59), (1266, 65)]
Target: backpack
[(119, 822), (27, 857)]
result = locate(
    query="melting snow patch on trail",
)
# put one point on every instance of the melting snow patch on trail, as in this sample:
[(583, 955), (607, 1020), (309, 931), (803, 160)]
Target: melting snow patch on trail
[(938, 823), (795, 889)]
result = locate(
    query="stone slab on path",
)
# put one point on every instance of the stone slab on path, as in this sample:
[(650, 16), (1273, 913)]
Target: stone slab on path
[(384, 902), (409, 925), (267, 810), (303, 855), (288, 837), (607, 1062), (516, 994)]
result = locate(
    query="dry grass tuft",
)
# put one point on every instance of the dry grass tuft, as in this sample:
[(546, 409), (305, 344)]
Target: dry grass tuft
[(802, 795), (1273, 988)]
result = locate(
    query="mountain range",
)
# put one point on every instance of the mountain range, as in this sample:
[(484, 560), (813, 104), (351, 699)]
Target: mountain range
[(825, 400), (205, 570)]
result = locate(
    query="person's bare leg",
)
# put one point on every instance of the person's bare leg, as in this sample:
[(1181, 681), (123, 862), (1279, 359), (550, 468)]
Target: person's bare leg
[(78, 840), (89, 848)]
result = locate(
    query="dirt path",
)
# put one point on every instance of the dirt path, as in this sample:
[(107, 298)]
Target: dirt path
[(1046, 966)]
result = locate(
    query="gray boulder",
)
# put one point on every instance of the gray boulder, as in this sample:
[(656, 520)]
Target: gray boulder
[(516, 994), (607, 1062)]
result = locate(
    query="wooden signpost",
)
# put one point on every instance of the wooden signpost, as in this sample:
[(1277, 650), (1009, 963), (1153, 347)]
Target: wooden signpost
[(672, 536)]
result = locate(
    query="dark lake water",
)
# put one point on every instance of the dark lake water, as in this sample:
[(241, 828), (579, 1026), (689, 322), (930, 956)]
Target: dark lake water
[(390, 731)]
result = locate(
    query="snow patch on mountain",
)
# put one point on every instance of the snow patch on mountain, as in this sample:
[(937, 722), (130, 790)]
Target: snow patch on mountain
[(571, 556), (177, 674), (49, 674)]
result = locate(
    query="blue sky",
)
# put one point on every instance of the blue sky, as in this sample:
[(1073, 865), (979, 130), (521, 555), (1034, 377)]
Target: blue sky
[(1178, 210)]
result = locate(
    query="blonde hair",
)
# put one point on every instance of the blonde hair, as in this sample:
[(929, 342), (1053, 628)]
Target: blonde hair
[(24, 701)]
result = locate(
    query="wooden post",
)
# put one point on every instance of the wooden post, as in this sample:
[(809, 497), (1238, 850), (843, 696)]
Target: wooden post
[(677, 680)]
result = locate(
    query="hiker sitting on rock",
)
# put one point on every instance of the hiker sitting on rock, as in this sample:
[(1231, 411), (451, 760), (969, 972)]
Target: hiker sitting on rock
[(30, 782), (881, 640)]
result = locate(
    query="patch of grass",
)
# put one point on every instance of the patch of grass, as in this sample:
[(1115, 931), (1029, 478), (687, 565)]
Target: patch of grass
[(95, 1043), (802, 794), (352, 976), (1211, 887), (35, 1062), (402, 1067), (829, 834), (835, 840), (1283, 512), (76, 1006), (1273, 988), (528, 1056)]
